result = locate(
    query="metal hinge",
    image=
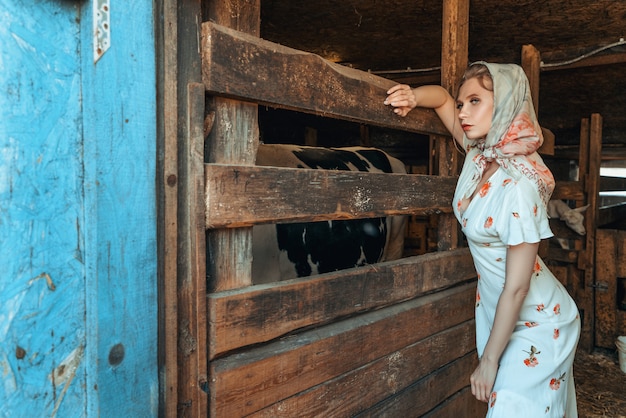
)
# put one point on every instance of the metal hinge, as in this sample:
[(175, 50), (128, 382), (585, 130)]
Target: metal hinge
[(101, 28), (600, 285)]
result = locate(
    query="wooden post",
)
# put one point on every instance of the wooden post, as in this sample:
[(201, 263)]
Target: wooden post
[(454, 50), (233, 139), (168, 209), (592, 189), (182, 348), (531, 63)]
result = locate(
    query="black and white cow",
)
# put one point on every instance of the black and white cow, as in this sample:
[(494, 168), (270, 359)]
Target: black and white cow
[(286, 251)]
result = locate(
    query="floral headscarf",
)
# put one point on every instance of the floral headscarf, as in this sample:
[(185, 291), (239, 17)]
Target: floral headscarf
[(514, 137)]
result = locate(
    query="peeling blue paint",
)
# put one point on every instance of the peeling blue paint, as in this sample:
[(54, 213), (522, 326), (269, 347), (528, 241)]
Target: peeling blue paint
[(77, 212)]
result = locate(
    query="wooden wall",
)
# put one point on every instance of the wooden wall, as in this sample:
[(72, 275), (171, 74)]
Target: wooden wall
[(393, 339)]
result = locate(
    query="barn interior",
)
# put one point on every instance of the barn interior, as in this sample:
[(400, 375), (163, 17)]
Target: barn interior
[(582, 73), (581, 45)]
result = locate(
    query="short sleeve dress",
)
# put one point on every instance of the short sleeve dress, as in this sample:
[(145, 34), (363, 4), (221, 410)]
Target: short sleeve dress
[(535, 374)]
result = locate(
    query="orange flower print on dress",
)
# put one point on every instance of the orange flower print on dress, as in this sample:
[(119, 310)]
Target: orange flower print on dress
[(540, 307), (532, 361), (489, 222), (492, 402), (531, 324), (485, 189), (506, 181), (459, 204), (557, 309), (555, 383), (537, 267), (535, 209), (556, 333), (515, 215), (477, 299)]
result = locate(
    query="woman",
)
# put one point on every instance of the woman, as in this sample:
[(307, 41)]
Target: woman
[(527, 325)]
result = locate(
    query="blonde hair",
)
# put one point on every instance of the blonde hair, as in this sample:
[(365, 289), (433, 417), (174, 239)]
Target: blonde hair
[(481, 73)]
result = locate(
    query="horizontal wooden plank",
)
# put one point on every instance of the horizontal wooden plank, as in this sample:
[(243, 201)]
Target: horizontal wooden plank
[(613, 213), (239, 65), (246, 382), (572, 190), (463, 405), (239, 196), (256, 314), (611, 184), (364, 387), (427, 393)]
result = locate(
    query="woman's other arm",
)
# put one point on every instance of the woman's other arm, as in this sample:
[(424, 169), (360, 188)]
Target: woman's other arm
[(520, 263)]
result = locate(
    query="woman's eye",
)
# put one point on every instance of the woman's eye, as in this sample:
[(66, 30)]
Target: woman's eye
[(474, 100), (459, 106)]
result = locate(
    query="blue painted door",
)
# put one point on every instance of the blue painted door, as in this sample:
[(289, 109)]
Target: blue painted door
[(78, 256)]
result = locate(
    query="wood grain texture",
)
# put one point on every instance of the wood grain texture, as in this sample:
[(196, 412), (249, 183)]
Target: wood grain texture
[(257, 314), (251, 380), (243, 66), (239, 196), (403, 377), (610, 270)]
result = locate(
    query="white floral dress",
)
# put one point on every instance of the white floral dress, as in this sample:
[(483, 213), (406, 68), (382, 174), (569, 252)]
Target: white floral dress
[(535, 374)]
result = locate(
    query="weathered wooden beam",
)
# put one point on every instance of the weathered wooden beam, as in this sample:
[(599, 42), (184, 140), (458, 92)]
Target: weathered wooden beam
[(531, 63), (168, 140), (430, 394), (239, 196), (454, 43), (245, 317), (610, 320), (454, 52), (246, 382), (233, 139), (611, 213), (570, 190), (243, 66), (586, 261), (608, 184), (370, 390), (462, 403)]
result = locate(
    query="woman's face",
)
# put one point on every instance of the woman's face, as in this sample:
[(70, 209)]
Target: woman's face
[(475, 107)]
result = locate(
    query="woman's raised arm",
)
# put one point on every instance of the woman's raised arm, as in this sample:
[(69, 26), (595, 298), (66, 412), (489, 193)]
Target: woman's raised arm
[(404, 99)]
